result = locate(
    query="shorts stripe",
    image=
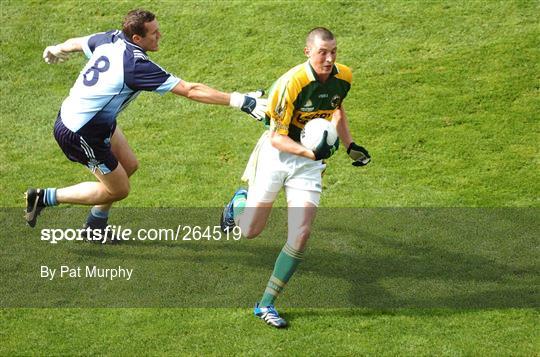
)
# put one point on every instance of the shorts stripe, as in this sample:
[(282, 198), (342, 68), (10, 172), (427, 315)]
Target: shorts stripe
[(87, 149)]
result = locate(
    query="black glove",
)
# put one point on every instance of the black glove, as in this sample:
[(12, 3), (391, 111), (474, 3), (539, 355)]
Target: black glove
[(359, 154), (323, 150)]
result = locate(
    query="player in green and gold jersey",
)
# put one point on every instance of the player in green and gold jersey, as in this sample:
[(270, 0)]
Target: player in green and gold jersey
[(314, 89)]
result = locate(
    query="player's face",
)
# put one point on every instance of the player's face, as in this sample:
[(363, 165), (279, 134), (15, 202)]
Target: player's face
[(150, 42), (322, 56)]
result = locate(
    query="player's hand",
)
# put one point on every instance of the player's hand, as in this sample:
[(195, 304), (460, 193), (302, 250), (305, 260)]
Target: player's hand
[(54, 54), (359, 154), (324, 150), (250, 103)]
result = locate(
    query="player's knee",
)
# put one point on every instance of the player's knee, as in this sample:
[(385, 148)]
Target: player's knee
[(120, 192), (133, 166), (302, 233), (251, 231)]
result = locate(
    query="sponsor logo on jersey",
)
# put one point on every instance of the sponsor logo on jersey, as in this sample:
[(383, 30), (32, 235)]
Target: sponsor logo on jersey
[(303, 119)]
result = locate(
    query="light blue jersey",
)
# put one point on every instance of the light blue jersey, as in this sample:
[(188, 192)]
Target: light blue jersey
[(115, 74)]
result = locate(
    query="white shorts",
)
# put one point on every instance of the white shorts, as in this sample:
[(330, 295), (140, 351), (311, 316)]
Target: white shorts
[(269, 170)]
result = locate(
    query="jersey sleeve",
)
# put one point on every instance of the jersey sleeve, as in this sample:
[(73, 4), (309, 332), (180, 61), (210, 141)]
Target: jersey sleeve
[(91, 42), (281, 104), (148, 76)]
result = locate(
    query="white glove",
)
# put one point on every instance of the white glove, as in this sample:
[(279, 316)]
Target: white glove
[(251, 103), (54, 54)]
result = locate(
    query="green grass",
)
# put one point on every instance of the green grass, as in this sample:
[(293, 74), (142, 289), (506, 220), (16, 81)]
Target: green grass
[(229, 332), (445, 96)]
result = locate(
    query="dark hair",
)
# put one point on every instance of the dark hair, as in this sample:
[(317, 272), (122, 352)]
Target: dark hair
[(134, 23), (322, 32)]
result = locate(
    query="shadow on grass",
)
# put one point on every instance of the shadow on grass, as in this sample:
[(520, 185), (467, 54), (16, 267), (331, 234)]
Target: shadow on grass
[(381, 271), (405, 259)]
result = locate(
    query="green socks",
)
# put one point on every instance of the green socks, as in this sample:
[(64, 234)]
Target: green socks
[(286, 264), (239, 205)]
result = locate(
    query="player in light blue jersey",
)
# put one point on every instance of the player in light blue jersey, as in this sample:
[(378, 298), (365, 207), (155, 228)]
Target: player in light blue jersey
[(118, 69)]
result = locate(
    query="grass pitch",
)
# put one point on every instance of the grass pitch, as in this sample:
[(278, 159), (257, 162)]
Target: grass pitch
[(445, 97)]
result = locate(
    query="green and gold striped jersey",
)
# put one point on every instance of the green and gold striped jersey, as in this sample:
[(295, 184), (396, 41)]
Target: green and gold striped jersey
[(298, 96)]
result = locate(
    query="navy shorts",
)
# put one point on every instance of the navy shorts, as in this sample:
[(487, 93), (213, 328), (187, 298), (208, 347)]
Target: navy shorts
[(93, 152)]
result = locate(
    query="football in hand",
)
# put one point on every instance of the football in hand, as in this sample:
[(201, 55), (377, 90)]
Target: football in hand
[(313, 132)]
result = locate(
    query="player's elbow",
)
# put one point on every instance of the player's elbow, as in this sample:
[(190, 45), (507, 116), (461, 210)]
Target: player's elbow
[(185, 89), (276, 140), (192, 92)]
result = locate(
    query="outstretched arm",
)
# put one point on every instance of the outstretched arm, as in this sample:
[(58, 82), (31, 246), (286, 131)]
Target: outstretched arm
[(249, 103), (60, 52), (201, 93)]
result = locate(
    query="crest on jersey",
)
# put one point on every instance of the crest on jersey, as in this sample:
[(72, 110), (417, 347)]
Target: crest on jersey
[(336, 101)]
